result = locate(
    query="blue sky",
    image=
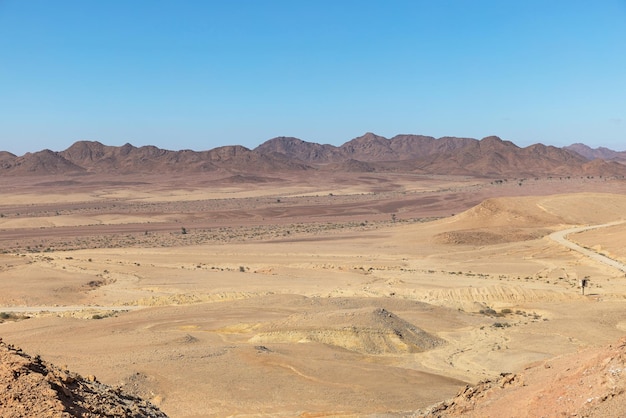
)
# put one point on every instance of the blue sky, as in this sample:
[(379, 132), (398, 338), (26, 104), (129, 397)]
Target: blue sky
[(202, 74)]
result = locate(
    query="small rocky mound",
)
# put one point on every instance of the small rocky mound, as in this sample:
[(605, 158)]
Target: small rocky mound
[(32, 387), (590, 383), (370, 331)]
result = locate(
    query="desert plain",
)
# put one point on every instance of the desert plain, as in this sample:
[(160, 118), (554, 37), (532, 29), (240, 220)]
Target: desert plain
[(325, 294)]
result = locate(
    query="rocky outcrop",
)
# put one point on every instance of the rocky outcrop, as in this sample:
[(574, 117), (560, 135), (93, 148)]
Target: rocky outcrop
[(32, 387)]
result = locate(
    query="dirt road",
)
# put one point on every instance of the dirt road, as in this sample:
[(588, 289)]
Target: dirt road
[(561, 238)]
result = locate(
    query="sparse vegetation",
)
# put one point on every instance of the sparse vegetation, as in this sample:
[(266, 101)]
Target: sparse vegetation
[(11, 316), (488, 312), (103, 315)]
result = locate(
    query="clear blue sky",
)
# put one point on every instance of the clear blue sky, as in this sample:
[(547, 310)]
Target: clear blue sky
[(201, 74)]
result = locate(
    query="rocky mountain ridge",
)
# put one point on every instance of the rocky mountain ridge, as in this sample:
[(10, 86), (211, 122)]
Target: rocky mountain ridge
[(488, 157), (600, 153)]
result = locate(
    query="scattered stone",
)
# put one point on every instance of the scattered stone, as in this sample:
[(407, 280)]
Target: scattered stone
[(35, 388)]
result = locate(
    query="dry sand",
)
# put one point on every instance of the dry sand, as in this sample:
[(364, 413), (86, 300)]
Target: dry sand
[(346, 296)]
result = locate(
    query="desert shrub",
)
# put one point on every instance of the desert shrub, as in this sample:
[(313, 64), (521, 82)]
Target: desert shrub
[(8, 316), (105, 315), (488, 311)]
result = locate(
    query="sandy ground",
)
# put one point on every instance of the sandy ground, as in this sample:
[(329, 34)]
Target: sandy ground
[(349, 296)]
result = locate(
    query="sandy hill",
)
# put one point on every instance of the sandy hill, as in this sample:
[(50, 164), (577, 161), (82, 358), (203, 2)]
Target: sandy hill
[(510, 219), (35, 388)]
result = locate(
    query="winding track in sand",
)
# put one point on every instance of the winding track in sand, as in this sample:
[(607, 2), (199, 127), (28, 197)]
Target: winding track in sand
[(561, 238)]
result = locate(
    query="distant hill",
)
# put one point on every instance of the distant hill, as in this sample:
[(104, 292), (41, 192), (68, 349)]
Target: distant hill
[(488, 157), (492, 157), (298, 149), (367, 148), (371, 147), (41, 162), (600, 153)]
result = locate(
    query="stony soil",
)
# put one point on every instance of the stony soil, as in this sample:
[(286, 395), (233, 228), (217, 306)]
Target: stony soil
[(590, 383), (32, 387)]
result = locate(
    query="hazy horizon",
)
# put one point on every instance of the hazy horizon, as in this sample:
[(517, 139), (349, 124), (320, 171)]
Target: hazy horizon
[(203, 74)]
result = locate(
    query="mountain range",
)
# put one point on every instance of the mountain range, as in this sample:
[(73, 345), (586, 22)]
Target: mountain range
[(488, 157)]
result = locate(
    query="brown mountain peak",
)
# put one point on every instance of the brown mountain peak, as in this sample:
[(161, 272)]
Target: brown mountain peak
[(82, 151), (496, 141), (301, 150), (368, 137)]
